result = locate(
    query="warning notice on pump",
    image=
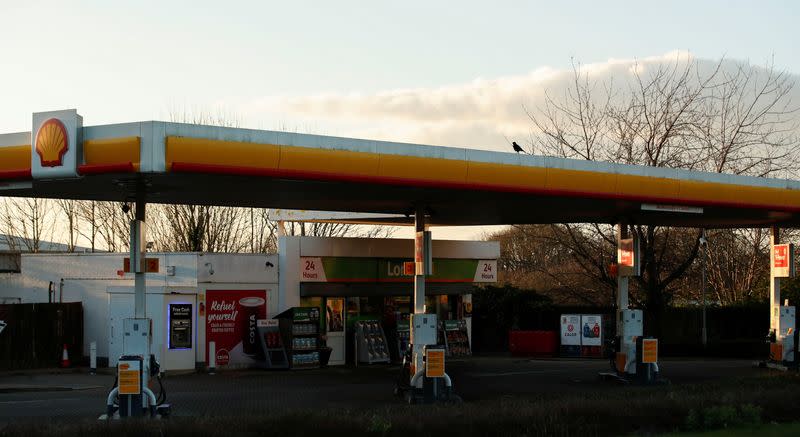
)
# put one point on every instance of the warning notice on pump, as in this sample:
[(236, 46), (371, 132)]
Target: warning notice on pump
[(129, 375), (650, 350), (434, 363)]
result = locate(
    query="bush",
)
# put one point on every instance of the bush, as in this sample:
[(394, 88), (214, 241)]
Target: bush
[(724, 416)]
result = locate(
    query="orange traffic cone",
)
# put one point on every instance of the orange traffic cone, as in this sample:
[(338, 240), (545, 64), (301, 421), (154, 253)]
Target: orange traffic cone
[(65, 357)]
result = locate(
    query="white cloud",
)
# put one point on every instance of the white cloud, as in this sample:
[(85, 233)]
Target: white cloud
[(480, 114)]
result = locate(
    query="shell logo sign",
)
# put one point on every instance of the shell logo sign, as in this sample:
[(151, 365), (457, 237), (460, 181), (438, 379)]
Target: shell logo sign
[(56, 144), (52, 143)]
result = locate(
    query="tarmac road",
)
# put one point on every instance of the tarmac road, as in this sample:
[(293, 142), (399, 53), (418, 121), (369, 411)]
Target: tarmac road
[(76, 396)]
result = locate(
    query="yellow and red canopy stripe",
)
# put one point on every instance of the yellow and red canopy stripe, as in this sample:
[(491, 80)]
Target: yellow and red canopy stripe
[(185, 154), (111, 155), (15, 162)]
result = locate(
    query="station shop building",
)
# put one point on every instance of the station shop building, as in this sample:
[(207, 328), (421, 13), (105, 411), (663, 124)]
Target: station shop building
[(196, 298)]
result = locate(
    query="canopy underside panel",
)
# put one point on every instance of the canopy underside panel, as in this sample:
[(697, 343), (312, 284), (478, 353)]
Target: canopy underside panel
[(447, 206)]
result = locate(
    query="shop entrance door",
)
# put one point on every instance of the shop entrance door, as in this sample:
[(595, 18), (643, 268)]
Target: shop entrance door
[(335, 327)]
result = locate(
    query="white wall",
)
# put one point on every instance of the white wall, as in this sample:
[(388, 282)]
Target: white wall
[(289, 253), (86, 279), (237, 268), (12, 288)]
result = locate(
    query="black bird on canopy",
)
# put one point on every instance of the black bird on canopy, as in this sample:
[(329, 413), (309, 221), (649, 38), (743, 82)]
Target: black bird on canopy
[(517, 147)]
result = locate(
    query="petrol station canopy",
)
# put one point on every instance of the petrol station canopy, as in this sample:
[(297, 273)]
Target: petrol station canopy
[(206, 165)]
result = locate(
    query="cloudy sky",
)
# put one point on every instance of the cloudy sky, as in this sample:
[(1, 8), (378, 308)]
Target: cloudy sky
[(449, 73)]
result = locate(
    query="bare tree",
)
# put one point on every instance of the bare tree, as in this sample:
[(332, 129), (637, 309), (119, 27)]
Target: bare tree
[(69, 208), (749, 123), (737, 261), (88, 217), (114, 225), (31, 220), (678, 115), (535, 257), (263, 231), (193, 228), (336, 229)]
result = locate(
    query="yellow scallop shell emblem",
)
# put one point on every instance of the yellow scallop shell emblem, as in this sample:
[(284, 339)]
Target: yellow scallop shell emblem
[(51, 142)]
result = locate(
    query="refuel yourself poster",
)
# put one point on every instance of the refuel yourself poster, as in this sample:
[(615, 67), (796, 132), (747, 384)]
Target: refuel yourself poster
[(231, 318)]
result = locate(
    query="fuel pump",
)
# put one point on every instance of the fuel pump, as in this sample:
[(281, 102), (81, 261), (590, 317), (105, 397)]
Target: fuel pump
[(783, 341), (430, 383), (634, 356), (629, 329), (782, 337), (132, 396)]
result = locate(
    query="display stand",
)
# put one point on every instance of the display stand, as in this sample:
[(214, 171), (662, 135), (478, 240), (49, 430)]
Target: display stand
[(456, 338), (275, 356), (301, 335), (372, 346)]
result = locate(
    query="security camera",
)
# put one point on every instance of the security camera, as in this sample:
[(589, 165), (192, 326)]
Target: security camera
[(703, 241), (269, 264)]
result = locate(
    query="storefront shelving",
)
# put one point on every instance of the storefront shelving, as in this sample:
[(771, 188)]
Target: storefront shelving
[(272, 345), (301, 333), (403, 336), (372, 346), (456, 338)]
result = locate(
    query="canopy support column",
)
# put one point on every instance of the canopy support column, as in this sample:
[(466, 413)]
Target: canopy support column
[(774, 284), (137, 255), (419, 280), (622, 279)]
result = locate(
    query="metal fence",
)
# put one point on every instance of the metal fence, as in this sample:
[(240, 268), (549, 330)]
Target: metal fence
[(732, 331), (35, 334)]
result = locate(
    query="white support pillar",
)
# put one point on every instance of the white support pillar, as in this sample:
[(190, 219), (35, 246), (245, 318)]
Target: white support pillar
[(137, 255), (622, 280), (419, 280), (774, 285), (629, 322)]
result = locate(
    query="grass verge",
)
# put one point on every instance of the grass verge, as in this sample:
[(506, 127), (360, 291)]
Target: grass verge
[(617, 411)]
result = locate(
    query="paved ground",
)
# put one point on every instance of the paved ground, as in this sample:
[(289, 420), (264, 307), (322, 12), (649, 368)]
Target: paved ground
[(79, 396)]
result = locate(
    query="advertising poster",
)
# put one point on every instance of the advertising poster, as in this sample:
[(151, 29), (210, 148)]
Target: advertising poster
[(231, 322), (335, 315), (570, 330), (591, 330)]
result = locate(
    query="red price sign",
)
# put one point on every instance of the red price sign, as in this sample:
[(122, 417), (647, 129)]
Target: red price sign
[(781, 258), (626, 252)]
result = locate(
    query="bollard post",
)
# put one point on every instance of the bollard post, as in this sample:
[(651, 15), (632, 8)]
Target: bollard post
[(212, 357), (93, 358)]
